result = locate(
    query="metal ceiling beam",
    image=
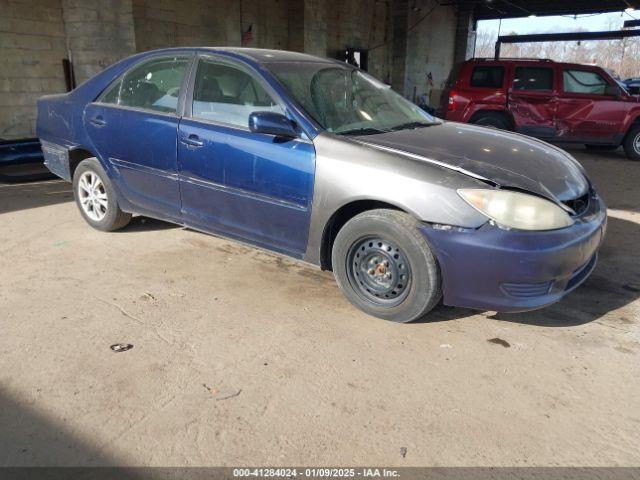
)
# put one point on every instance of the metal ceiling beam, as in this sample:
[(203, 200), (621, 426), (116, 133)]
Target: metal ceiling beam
[(564, 37), (494, 9)]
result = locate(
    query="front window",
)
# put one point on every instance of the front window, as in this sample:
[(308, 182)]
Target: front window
[(227, 94), (346, 101), (583, 81)]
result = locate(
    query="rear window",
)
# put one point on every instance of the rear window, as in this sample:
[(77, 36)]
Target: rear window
[(533, 78), (487, 77)]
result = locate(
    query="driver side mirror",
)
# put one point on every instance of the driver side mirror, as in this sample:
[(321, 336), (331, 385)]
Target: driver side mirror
[(612, 90), (272, 123)]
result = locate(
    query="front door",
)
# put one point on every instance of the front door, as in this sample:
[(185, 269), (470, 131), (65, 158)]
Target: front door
[(134, 125), (585, 109), (252, 186), (532, 101)]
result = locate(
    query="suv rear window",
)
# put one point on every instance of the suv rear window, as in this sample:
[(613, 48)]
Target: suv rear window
[(487, 77), (533, 78)]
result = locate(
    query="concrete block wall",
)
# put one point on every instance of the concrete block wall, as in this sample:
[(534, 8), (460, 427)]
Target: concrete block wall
[(361, 24), (32, 45), (170, 23), (98, 34), (430, 49)]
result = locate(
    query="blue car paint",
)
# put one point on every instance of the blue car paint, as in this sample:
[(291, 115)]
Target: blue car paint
[(271, 207), (143, 155), (272, 211), (512, 271), (246, 184)]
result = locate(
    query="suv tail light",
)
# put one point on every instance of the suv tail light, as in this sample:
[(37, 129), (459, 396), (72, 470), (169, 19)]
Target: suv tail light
[(452, 101)]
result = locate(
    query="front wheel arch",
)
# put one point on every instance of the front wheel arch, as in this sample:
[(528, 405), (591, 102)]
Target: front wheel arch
[(339, 218)]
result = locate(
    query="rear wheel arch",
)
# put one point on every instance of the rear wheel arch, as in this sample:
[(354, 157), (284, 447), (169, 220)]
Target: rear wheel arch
[(77, 155), (339, 218), (488, 114)]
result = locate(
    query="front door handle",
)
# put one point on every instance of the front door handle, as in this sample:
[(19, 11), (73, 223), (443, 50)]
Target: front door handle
[(192, 140), (98, 121)]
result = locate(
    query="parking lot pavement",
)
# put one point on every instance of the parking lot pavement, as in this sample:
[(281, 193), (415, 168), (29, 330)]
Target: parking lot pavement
[(245, 357)]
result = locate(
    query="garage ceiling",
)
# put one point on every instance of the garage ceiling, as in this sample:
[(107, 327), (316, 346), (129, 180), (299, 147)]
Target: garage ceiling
[(493, 9)]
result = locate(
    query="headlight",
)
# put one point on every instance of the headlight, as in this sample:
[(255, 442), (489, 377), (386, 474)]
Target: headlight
[(517, 210)]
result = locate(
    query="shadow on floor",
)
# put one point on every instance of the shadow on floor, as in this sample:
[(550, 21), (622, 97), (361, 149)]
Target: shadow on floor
[(23, 196), (29, 437), (146, 224)]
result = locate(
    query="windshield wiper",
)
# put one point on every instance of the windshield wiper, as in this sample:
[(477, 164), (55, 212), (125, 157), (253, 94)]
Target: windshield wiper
[(362, 131), (412, 125)]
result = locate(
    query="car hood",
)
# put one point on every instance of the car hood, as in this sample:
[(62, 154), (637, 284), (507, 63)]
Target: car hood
[(505, 159)]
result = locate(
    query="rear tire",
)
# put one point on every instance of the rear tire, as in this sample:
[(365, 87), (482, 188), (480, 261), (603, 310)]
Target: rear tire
[(491, 119), (385, 267), (96, 198), (602, 147), (631, 144)]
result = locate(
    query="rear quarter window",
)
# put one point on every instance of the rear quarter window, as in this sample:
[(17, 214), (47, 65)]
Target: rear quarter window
[(487, 77)]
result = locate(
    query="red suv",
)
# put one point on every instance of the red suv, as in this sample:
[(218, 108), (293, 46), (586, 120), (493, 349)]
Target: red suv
[(553, 101)]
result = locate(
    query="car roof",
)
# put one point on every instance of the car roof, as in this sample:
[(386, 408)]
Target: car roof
[(532, 61), (260, 55)]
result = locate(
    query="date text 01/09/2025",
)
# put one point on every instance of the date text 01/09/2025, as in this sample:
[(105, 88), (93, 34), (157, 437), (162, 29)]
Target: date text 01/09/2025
[(315, 472)]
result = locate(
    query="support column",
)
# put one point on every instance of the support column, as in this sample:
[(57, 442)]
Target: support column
[(465, 34), (399, 19)]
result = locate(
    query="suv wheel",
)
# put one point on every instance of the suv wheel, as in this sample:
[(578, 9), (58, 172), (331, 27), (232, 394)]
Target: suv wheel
[(384, 266), (631, 144), (96, 197), (491, 119)]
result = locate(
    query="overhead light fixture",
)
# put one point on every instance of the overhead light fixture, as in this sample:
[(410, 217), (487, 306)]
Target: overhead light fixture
[(533, 15), (630, 9)]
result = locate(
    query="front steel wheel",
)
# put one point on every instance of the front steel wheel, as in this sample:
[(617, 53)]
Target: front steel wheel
[(379, 271), (385, 267)]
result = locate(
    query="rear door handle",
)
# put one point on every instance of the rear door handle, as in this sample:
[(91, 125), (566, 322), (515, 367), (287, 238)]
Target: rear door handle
[(192, 140), (98, 121)]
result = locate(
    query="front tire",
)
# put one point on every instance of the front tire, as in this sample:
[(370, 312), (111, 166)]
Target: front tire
[(385, 267), (631, 144), (96, 197)]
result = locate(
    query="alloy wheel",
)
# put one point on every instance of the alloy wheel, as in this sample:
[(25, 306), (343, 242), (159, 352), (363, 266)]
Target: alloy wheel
[(93, 196)]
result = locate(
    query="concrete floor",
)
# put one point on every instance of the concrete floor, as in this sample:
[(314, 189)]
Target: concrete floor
[(244, 357)]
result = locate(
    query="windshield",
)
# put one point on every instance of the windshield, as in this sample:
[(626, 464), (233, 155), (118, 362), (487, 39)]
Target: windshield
[(346, 101)]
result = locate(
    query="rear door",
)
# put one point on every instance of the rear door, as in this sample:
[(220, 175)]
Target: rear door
[(134, 125), (585, 111), (533, 100)]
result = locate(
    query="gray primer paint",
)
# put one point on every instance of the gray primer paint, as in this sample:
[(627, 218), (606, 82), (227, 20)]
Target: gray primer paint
[(348, 171)]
